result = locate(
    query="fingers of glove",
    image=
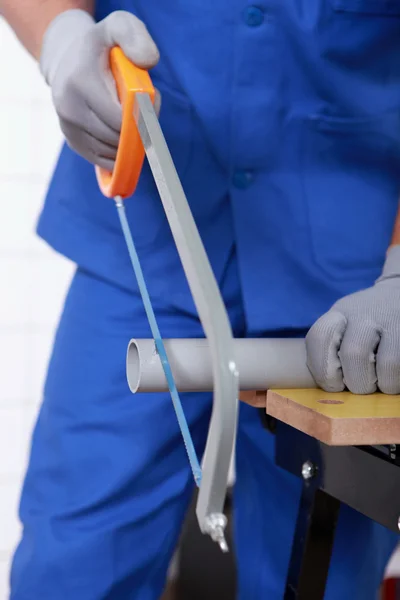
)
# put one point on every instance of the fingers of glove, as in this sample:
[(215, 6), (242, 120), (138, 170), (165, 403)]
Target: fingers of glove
[(322, 344), (87, 121), (127, 31), (88, 96), (357, 356), (100, 161), (104, 102), (94, 150), (123, 29), (106, 118), (388, 362), (102, 99)]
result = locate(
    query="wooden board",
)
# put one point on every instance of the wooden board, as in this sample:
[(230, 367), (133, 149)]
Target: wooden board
[(342, 419), (257, 399)]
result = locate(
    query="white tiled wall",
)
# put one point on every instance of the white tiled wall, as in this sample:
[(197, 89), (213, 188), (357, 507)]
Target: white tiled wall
[(33, 279)]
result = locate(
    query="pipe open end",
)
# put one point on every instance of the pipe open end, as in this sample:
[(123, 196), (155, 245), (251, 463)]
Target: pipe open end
[(133, 366)]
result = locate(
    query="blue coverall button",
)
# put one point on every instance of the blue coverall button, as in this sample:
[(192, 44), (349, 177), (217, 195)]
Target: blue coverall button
[(253, 16), (242, 179)]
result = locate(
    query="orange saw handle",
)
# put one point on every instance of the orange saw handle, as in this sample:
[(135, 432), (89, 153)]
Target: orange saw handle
[(130, 80), (396, 229)]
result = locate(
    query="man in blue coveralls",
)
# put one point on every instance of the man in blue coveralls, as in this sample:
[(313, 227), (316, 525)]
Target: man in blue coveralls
[(283, 122)]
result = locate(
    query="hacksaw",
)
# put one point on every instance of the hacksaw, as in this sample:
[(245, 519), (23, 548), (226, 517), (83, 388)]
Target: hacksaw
[(141, 134)]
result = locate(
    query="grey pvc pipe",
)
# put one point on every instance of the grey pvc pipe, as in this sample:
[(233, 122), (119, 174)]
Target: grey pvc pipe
[(262, 364)]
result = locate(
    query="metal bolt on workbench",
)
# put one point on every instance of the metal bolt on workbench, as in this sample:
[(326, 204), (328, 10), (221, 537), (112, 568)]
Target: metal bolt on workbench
[(308, 470)]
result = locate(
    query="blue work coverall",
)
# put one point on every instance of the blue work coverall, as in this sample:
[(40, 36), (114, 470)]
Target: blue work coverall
[(283, 121)]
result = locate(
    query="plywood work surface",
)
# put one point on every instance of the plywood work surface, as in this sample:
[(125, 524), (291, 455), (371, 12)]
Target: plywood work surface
[(338, 419)]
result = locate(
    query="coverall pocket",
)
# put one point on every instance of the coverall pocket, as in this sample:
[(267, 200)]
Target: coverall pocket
[(350, 172), (372, 7)]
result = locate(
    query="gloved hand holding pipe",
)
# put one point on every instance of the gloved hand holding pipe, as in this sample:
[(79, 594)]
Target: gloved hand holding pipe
[(355, 345)]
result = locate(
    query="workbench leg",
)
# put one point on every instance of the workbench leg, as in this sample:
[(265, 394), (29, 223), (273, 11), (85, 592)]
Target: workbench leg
[(312, 545)]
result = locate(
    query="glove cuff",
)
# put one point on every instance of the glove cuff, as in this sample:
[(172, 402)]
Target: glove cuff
[(59, 35), (391, 267)]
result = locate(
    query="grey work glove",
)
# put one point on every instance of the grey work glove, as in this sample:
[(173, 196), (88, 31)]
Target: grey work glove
[(356, 344), (74, 62)]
